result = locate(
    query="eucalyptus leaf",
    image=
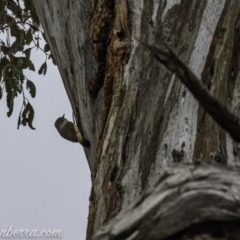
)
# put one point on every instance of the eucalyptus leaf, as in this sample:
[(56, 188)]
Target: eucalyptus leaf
[(1, 92), (46, 48), (28, 36), (10, 97), (30, 116), (43, 69), (27, 52), (31, 65), (31, 87)]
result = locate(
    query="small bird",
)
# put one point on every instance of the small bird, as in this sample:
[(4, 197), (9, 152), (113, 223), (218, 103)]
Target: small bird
[(70, 131)]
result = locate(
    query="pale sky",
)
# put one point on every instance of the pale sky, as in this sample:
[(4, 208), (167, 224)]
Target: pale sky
[(44, 179)]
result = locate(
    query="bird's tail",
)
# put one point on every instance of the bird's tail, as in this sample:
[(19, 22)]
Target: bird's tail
[(85, 143)]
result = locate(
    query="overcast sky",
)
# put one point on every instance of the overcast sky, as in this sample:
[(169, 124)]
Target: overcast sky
[(44, 179)]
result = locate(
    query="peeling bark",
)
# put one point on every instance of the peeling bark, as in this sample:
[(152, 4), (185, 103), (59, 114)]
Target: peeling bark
[(184, 196)]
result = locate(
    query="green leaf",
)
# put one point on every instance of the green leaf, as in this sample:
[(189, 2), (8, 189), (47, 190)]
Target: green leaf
[(27, 4), (31, 65), (27, 52), (2, 12), (19, 121), (19, 88), (21, 77), (24, 63), (46, 48), (8, 72), (32, 89), (4, 62), (28, 116), (10, 20), (1, 92), (28, 36), (5, 49), (10, 96), (20, 63), (15, 31), (15, 46), (53, 60), (43, 69), (24, 117), (1, 72), (22, 39)]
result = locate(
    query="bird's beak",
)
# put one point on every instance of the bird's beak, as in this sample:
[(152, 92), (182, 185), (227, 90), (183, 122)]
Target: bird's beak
[(63, 115)]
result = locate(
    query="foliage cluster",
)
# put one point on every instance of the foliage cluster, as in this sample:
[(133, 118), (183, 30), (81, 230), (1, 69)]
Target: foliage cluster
[(20, 32)]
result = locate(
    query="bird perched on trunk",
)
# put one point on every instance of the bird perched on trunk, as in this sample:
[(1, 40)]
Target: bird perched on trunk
[(70, 131)]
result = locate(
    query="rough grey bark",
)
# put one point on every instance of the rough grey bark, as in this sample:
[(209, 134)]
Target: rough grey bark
[(184, 196), (138, 118)]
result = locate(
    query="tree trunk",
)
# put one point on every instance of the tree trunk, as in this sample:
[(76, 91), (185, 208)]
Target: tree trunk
[(138, 117), (189, 202)]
